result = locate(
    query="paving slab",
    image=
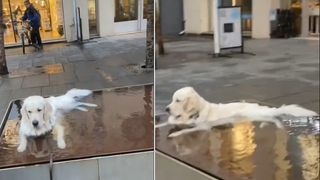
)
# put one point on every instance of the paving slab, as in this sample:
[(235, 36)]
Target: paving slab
[(36, 81), (96, 64), (284, 70)]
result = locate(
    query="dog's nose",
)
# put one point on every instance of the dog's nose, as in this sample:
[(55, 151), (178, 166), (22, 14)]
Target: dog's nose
[(35, 123), (167, 109)]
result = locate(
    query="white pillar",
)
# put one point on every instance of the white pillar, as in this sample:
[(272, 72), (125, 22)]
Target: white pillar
[(105, 17), (69, 19), (304, 18), (261, 18), (215, 23)]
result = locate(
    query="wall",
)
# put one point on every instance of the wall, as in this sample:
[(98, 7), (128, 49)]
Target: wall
[(261, 18), (196, 16), (171, 16)]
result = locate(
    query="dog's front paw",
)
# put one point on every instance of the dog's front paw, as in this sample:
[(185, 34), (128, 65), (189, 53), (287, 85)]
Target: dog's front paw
[(61, 144), (262, 125), (21, 148), (175, 134)]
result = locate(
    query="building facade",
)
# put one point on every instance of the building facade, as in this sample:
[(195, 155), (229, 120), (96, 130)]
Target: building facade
[(257, 16), (60, 19)]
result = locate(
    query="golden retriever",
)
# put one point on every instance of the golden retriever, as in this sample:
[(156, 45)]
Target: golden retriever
[(40, 115), (189, 108)]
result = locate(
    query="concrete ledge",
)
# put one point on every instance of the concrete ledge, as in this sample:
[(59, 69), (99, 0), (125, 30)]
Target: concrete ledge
[(135, 166), (168, 168)]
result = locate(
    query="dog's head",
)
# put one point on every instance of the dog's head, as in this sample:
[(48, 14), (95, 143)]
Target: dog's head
[(36, 112), (185, 106)]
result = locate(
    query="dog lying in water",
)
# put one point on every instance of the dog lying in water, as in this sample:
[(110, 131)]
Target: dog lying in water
[(189, 108), (40, 115)]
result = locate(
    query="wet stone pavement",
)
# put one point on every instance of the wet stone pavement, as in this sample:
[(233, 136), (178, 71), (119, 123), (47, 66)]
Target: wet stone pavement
[(97, 64), (283, 71)]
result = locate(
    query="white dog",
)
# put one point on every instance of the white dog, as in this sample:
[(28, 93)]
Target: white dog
[(189, 108), (41, 115)]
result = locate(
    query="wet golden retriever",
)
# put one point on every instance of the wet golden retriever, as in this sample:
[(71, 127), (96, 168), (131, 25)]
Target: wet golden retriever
[(189, 108)]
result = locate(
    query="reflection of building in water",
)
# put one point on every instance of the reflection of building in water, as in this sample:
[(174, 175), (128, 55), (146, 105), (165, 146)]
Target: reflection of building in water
[(11, 133), (310, 154), (280, 150), (237, 148)]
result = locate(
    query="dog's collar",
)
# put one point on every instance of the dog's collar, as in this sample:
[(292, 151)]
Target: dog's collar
[(194, 116), (41, 135)]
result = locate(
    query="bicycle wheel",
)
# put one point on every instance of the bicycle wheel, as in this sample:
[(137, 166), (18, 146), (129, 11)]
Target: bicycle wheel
[(23, 44)]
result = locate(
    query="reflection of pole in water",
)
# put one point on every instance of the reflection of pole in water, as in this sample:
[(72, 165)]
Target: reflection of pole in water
[(280, 150), (135, 127), (148, 102), (310, 154), (237, 148), (99, 128)]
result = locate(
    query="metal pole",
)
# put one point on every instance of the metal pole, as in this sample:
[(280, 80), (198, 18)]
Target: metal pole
[(216, 43), (75, 18), (80, 25), (12, 24)]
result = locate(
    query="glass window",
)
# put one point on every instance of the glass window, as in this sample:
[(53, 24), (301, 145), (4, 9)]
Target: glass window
[(126, 10), (51, 19)]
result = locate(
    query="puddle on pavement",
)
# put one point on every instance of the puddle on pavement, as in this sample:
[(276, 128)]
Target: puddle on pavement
[(122, 123), (246, 151), (46, 69)]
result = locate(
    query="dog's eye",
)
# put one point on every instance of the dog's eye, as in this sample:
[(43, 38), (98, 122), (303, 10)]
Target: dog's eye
[(29, 112), (177, 100), (39, 110)]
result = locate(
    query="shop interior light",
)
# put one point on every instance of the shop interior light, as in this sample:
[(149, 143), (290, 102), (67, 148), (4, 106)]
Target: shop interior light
[(43, 3)]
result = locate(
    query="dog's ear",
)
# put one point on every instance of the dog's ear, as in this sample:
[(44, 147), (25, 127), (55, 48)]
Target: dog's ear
[(47, 112), (23, 112), (190, 104)]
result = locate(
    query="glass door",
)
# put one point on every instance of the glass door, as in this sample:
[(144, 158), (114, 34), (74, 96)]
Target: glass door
[(93, 29), (129, 16)]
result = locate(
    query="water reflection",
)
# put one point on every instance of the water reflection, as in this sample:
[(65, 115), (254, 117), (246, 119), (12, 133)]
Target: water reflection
[(280, 154), (237, 147), (310, 156), (121, 123), (246, 151)]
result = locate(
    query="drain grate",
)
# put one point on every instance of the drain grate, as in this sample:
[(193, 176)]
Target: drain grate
[(134, 68)]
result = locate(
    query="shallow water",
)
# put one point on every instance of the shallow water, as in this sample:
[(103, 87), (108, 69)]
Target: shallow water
[(246, 151), (122, 123)]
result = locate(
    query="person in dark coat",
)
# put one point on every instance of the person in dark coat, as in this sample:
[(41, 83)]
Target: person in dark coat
[(32, 15)]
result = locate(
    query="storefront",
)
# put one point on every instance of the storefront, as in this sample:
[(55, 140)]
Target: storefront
[(51, 19), (60, 18), (257, 16)]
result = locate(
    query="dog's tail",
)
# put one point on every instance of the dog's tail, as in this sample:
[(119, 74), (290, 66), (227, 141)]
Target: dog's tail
[(294, 110), (78, 94), (257, 111)]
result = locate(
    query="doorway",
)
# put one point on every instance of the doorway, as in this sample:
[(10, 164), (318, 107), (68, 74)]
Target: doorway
[(92, 12), (130, 16)]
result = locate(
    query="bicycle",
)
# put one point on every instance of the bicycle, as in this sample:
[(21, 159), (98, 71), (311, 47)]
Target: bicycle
[(24, 34)]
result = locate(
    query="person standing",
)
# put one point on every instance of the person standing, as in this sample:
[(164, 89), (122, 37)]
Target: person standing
[(32, 15)]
